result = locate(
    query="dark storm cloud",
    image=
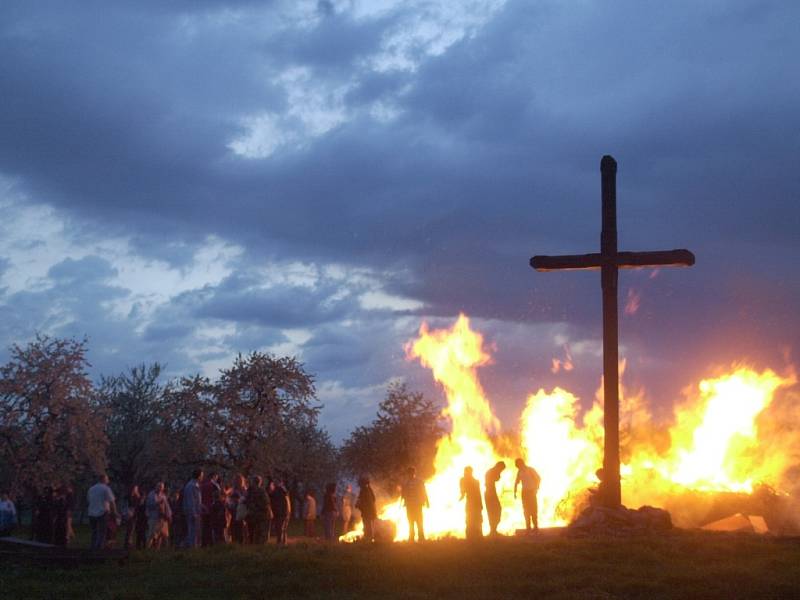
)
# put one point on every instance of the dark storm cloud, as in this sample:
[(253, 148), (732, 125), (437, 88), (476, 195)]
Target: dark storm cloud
[(489, 143), (167, 332), (82, 271), (235, 299), (336, 44), (249, 337), (73, 302), (108, 121), (355, 353), (123, 123)]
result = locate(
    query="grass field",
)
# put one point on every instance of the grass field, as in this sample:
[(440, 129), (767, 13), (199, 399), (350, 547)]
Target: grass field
[(680, 565)]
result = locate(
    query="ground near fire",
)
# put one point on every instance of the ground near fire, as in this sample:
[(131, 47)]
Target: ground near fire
[(678, 564)]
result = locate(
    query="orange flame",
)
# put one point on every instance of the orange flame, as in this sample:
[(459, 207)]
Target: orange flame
[(565, 364), (454, 355), (633, 302), (712, 445)]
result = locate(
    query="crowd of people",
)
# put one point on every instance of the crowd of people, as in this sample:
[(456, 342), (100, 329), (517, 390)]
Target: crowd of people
[(206, 511), (51, 511)]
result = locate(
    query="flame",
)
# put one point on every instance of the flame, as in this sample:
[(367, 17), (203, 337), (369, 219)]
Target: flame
[(566, 364), (454, 355), (633, 302), (565, 456), (712, 445)]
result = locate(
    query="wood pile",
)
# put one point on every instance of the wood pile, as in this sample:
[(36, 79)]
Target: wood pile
[(620, 522)]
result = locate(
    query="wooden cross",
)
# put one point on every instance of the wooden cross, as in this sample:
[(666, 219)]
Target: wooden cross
[(609, 261)]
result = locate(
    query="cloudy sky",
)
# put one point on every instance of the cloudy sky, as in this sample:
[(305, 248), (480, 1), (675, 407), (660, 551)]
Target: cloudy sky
[(183, 180)]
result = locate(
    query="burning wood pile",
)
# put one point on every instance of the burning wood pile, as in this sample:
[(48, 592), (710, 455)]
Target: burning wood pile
[(731, 432), (620, 521)]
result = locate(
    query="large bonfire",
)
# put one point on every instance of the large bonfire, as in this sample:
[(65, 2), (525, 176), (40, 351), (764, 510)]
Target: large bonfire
[(713, 445)]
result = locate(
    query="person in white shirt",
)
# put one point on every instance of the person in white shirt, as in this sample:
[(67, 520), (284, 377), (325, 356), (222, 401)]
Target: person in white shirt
[(101, 504), (8, 515)]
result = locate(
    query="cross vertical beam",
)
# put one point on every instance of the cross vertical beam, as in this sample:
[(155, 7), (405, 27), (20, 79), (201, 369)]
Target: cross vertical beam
[(609, 274), (609, 261)]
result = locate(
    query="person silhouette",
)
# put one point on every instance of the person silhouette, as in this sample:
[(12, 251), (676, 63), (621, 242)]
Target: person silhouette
[(471, 490), (493, 508), (530, 480), (415, 498), (366, 505)]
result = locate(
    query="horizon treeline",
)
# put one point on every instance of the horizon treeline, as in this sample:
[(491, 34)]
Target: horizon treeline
[(259, 416)]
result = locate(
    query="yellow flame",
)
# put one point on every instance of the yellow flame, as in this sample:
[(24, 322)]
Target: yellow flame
[(565, 456), (715, 437), (712, 445), (454, 355)]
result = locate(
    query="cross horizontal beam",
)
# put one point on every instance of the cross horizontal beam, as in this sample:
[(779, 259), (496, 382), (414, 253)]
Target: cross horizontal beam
[(622, 260)]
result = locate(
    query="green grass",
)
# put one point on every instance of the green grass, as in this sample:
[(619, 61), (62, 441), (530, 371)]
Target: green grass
[(679, 565)]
